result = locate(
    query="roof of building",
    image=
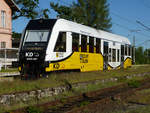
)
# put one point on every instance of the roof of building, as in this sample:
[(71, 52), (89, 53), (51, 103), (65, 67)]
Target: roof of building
[(12, 5)]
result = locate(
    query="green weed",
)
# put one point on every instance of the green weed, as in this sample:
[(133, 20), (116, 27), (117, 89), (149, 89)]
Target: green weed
[(84, 103), (32, 109), (134, 84), (122, 79)]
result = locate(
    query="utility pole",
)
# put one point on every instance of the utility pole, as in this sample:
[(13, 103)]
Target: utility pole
[(133, 49)]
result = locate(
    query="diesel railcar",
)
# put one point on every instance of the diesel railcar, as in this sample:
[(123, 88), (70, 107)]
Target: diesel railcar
[(57, 44)]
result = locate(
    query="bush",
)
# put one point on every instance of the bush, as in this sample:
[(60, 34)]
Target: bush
[(84, 103), (122, 79), (33, 110), (134, 84)]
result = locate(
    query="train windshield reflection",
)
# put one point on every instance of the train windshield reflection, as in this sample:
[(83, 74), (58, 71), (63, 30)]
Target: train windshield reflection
[(36, 36)]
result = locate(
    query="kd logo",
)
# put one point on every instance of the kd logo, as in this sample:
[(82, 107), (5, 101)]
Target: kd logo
[(29, 54)]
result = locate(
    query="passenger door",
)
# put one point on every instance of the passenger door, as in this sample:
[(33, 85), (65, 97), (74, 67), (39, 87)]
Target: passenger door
[(105, 54)]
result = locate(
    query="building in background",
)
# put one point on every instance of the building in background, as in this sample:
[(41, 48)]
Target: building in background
[(7, 7)]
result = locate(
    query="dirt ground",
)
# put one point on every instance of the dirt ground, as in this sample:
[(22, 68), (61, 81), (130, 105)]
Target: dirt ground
[(138, 102)]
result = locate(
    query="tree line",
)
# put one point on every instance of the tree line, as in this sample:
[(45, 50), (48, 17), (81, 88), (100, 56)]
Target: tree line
[(94, 13), (142, 56)]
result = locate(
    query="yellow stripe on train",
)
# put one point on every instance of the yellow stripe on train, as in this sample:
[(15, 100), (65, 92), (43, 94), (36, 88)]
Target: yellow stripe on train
[(84, 62), (79, 60)]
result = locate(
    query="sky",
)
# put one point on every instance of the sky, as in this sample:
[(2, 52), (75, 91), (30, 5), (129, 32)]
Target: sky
[(125, 14)]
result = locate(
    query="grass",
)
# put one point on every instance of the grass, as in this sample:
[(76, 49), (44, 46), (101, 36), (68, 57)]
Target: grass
[(62, 97), (84, 103), (57, 79), (79, 77), (141, 97), (32, 109), (94, 87), (134, 84), (19, 85), (143, 109)]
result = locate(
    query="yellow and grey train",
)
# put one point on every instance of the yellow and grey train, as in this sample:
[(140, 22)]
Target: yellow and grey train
[(57, 44)]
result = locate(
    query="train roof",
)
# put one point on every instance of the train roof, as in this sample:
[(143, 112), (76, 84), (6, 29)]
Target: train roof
[(65, 25), (41, 24), (79, 28)]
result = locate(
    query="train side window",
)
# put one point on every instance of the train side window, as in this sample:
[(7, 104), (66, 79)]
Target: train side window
[(83, 43), (91, 44), (105, 47), (118, 55), (98, 45), (75, 42), (122, 53), (109, 56), (113, 55), (130, 50), (61, 42), (126, 50), (105, 51)]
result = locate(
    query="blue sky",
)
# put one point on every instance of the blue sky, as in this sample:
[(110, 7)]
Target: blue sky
[(124, 14)]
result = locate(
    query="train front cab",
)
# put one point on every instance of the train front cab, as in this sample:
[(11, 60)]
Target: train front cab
[(33, 47), (32, 53)]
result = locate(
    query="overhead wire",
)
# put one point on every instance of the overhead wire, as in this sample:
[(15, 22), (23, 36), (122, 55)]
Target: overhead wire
[(129, 21), (123, 18), (142, 43), (122, 26), (147, 28)]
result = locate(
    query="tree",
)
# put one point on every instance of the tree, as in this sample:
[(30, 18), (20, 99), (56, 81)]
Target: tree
[(139, 55), (16, 35), (142, 56), (94, 13), (63, 11), (147, 56), (30, 9)]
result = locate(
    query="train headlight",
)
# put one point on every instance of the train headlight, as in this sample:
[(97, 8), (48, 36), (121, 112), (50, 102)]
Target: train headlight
[(47, 64), (36, 54)]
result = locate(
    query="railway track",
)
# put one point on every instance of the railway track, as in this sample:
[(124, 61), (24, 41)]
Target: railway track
[(102, 97), (110, 101)]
